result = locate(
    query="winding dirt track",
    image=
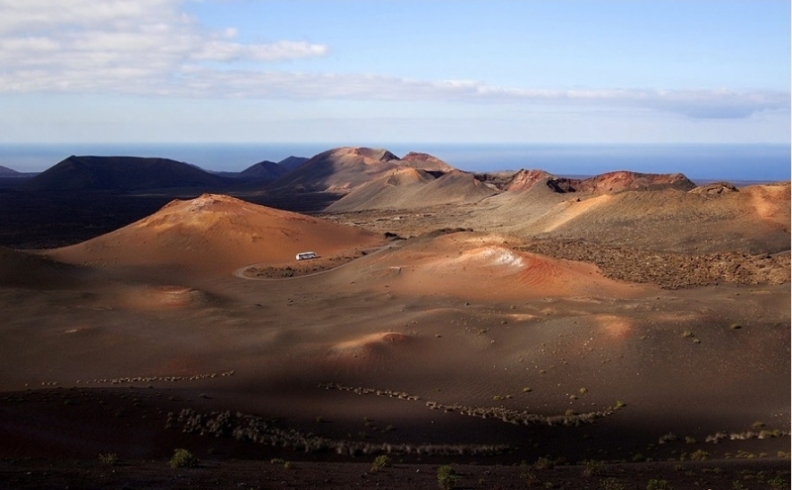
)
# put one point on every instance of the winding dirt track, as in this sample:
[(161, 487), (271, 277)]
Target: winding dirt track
[(240, 273)]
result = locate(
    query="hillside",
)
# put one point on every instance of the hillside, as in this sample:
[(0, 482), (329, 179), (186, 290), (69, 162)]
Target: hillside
[(8, 172), (81, 173), (606, 183), (343, 169), (292, 162), (756, 219), (264, 171), (215, 234), (408, 188)]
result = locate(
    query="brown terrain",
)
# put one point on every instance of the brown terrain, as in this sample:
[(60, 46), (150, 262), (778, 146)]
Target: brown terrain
[(528, 330)]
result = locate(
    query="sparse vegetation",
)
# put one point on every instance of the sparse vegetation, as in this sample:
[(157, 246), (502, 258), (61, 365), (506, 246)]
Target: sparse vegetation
[(612, 484), (446, 477), (380, 462), (182, 458), (529, 478), (778, 482), (593, 468), (699, 455), (109, 459), (544, 463), (657, 484)]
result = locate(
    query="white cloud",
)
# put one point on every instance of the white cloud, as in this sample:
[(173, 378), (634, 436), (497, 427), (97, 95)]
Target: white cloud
[(96, 46), (152, 47), (282, 50)]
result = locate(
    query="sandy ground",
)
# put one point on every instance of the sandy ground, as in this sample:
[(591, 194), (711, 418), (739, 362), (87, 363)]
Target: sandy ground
[(450, 347)]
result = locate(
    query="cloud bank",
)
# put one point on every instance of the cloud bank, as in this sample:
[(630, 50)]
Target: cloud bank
[(153, 48)]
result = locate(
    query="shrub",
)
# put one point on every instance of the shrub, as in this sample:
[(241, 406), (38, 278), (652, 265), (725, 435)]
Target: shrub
[(659, 485), (612, 484), (446, 477), (529, 478), (699, 455), (379, 463), (777, 483), (109, 459), (593, 468), (183, 458), (544, 464)]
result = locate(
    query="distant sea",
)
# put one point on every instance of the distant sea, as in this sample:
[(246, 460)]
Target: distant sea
[(698, 162)]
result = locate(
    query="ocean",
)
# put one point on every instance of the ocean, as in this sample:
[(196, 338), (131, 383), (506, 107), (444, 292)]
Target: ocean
[(697, 161)]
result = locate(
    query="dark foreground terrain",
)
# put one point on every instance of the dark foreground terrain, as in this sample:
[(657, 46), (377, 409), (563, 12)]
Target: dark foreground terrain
[(277, 474)]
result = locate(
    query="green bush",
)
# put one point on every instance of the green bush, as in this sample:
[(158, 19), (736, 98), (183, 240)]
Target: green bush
[(699, 455), (379, 463), (447, 477), (544, 464), (612, 484), (109, 459), (183, 458), (529, 478), (777, 483), (593, 468), (659, 485)]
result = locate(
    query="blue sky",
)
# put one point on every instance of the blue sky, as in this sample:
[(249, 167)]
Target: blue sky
[(695, 71)]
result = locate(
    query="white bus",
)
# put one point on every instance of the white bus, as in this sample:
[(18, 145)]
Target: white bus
[(306, 255)]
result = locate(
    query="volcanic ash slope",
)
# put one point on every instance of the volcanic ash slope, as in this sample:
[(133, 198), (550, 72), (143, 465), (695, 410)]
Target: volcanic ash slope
[(478, 266), (408, 188), (755, 219), (215, 234)]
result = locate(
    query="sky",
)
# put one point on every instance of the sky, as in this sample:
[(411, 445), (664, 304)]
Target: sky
[(467, 71)]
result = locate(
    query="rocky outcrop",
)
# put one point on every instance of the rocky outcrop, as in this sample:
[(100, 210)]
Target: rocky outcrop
[(607, 183), (425, 161), (715, 189), (622, 180), (525, 179)]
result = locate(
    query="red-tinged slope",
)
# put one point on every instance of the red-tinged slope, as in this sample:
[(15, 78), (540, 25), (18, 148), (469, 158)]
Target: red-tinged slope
[(215, 234)]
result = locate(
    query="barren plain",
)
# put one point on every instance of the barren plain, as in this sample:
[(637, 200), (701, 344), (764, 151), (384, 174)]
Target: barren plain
[(528, 337)]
